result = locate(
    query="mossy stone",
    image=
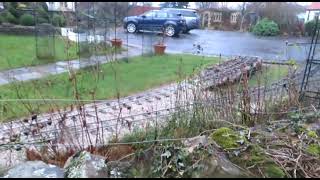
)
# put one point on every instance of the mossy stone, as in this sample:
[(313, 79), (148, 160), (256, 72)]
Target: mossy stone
[(226, 137)]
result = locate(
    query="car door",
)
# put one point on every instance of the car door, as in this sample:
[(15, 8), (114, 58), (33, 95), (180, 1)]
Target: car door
[(159, 19), (145, 21)]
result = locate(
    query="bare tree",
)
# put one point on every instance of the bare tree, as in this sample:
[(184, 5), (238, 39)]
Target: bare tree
[(204, 5), (243, 14), (112, 9), (283, 13)]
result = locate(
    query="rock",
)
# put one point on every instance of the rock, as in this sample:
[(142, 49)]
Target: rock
[(119, 169), (35, 169), (10, 157), (7, 25), (85, 165), (217, 164), (226, 138), (194, 142)]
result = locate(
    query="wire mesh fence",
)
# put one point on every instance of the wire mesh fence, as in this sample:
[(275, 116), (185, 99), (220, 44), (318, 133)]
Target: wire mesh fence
[(234, 91)]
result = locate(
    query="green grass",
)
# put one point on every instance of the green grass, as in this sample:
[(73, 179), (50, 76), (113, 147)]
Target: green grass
[(269, 75), (141, 73), (19, 51)]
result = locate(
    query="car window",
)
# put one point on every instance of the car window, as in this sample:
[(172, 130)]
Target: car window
[(183, 13), (161, 15), (188, 13), (172, 15), (149, 14)]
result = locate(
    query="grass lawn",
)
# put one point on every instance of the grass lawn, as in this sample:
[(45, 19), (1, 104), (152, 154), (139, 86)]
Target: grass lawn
[(18, 51), (269, 75), (141, 73)]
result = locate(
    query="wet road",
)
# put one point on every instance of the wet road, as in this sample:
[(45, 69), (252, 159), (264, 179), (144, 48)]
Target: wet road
[(226, 43)]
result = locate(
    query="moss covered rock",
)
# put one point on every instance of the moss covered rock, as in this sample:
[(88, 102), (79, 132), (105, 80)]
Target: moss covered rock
[(85, 165), (226, 138)]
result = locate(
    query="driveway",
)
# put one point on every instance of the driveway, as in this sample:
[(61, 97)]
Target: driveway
[(226, 43)]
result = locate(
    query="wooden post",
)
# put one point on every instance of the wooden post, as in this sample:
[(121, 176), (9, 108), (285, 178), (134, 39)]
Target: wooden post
[(209, 19), (203, 16)]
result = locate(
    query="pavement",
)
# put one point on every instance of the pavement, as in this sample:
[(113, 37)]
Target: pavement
[(226, 43)]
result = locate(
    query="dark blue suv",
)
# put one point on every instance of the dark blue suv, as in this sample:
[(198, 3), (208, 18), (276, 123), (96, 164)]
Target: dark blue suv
[(156, 20)]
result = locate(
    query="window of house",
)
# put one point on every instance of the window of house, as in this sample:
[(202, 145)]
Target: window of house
[(233, 18), (217, 16)]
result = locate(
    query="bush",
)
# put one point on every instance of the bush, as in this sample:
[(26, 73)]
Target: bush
[(27, 20), (58, 20), (42, 13), (1, 20), (41, 20), (266, 27), (309, 26), (10, 18), (85, 49), (14, 12)]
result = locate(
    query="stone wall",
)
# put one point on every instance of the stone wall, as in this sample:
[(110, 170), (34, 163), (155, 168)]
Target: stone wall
[(19, 30)]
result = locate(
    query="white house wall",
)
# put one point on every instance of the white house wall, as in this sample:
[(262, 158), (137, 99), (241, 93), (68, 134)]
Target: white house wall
[(311, 15), (56, 6)]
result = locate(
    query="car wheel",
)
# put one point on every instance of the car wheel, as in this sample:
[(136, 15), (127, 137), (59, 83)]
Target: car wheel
[(131, 28), (170, 30)]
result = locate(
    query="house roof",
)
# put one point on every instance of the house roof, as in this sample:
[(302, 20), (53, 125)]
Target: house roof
[(314, 6), (137, 10)]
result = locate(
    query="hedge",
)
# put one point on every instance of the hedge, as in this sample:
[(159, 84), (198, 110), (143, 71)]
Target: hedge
[(309, 27), (266, 27), (58, 20), (27, 20)]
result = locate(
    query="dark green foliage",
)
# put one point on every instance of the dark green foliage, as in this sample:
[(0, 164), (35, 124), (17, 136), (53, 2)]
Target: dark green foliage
[(41, 20), (12, 8), (10, 18), (85, 49), (46, 48), (27, 20), (266, 27), (309, 27), (42, 14), (58, 20)]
